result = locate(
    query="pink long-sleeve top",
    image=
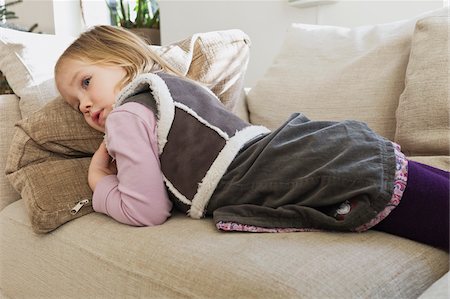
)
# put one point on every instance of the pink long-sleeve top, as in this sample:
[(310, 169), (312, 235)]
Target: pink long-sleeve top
[(137, 194)]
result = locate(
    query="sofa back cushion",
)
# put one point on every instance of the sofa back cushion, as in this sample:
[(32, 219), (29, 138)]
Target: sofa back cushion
[(423, 114), (335, 73)]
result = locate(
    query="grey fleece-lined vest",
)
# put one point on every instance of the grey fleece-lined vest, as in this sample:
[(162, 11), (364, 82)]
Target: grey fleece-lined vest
[(198, 137)]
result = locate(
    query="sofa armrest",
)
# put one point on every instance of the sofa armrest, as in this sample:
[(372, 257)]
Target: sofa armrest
[(9, 107)]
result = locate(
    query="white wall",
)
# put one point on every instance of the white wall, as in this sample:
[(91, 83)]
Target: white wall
[(266, 21), (69, 19), (356, 13)]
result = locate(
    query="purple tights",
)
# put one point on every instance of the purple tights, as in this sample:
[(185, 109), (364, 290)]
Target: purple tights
[(423, 212)]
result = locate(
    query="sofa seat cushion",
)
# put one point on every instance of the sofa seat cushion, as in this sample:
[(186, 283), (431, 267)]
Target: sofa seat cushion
[(96, 257)]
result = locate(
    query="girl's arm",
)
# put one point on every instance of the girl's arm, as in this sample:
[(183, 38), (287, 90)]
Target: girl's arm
[(136, 195), (101, 166)]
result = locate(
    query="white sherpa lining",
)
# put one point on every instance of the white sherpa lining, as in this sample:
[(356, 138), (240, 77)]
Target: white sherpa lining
[(164, 102), (219, 166), (175, 192)]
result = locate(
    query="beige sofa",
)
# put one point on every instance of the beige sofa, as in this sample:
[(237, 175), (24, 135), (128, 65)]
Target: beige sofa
[(367, 73)]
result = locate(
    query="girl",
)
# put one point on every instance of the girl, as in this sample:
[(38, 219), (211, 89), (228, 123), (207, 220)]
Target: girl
[(169, 141)]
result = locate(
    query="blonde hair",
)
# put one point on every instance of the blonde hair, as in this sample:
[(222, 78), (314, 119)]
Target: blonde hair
[(114, 46)]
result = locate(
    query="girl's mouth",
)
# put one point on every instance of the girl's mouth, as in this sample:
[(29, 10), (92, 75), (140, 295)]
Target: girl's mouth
[(96, 116)]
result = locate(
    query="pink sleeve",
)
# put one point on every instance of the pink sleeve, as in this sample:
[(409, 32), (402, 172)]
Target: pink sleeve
[(136, 195)]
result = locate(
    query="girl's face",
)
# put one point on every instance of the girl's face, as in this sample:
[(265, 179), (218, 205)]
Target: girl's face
[(91, 89)]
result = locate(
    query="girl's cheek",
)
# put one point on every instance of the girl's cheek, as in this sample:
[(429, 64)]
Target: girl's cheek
[(87, 118)]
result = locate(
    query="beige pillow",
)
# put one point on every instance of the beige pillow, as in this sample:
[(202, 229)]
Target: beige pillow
[(48, 163), (218, 59), (423, 114), (335, 73)]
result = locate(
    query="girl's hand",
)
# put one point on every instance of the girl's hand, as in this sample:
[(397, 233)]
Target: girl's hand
[(101, 166)]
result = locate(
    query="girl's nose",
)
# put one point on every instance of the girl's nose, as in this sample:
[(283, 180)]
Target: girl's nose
[(85, 105)]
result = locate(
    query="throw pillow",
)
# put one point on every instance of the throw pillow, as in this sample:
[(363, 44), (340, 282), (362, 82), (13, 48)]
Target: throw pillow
[(218, 59), (336, 73), (48, 163), (27, 61), (423, 114)]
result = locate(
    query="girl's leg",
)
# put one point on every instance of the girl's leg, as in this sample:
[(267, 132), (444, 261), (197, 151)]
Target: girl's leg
[(423, 212), (434, 170)]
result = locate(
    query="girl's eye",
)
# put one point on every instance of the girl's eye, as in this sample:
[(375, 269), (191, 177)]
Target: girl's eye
[(85, 82)]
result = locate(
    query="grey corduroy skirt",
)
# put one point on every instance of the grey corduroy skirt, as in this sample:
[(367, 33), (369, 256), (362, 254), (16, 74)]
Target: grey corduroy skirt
[(300, 175)]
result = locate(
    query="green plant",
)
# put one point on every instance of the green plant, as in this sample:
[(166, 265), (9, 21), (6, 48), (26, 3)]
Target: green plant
[(147, 13), (5, 14)]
